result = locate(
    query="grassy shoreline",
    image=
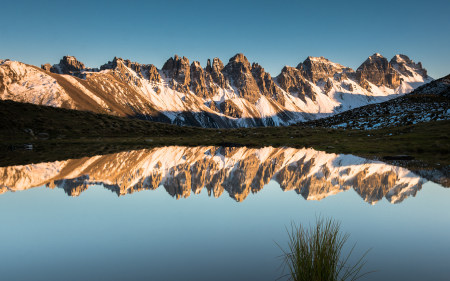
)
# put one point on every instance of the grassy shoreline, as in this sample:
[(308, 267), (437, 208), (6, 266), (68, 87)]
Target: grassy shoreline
[(426, 142), (59, 134)]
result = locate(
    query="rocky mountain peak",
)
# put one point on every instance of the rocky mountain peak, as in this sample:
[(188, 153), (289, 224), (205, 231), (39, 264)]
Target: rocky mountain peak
[(178, 69), (67, 65), (400, 58), (153, 73), (215, 71), (121, 69), (238, 70), (216, 65), (71, 63), (312, 60), (110, 64), (377, 70), (196, 64), (407, 67), (320, 68), (147, 71), (376, 56), (198, 81), (240, 58)]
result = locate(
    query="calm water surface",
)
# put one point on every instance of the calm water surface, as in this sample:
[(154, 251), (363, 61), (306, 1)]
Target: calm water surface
[(116, 217)]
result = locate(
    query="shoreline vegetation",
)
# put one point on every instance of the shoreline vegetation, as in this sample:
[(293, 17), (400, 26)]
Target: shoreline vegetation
[(316, 253), (53, 134)]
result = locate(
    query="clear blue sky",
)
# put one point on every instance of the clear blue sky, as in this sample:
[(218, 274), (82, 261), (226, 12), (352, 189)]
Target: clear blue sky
[(273, 33)]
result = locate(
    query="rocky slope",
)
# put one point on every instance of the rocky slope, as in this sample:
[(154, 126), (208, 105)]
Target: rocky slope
[(236, 94), (430, 102), (237, 171)]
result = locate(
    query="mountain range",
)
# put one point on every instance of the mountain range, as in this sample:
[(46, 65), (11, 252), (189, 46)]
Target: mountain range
[(239, 171), (238, 94)]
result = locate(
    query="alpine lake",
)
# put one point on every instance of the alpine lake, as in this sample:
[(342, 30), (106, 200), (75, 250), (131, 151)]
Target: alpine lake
[(215, 213)]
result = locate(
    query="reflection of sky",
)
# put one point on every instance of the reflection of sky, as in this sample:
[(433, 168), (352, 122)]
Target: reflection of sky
[(46, 235)]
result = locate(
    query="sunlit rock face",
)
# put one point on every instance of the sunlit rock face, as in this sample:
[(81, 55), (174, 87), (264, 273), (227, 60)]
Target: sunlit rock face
[(130, 72), (178, 69), (266, 84), (408, 68), (292, 81), (214, 76), (184, 171), (198, 80), (377, 70), (320, 68), (68, 65), (239, 72)]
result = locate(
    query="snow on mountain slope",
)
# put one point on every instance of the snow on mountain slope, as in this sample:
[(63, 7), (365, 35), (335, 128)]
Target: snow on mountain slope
[(238, 94), (429, 102), (23, 83), (239, 171), (411, 72)]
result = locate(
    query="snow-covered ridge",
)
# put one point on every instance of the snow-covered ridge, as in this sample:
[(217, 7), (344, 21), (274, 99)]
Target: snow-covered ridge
[(313, 174), (235, 95)]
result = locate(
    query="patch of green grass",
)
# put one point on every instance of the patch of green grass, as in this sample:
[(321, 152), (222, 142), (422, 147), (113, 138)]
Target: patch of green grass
[(316, 253)]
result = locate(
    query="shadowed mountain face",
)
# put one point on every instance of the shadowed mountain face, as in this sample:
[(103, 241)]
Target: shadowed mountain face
[(182, 171), (235, 94)]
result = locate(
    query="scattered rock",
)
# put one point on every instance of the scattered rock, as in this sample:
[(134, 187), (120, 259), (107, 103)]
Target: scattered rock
[(43, 136), (350, 87), (328, 85), (28, 146), (29, 131), (230, 108)]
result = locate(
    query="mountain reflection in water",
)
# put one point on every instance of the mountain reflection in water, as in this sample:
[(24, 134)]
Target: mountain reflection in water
[(239, 171)]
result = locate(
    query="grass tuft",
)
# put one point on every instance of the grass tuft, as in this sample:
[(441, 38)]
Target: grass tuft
[(315, 253)]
